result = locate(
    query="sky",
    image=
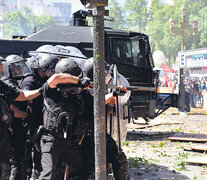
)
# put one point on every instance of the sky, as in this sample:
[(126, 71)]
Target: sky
[(76, 4)]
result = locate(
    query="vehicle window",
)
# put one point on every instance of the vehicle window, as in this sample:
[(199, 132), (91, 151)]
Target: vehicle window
[(136, 52), (121, 51), (128, 51)]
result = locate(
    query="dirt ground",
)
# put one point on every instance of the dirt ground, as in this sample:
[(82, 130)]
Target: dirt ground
[(152, 156)]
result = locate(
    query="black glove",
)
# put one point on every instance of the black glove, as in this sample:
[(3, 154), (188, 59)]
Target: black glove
[(84, 82), (42, 88), (118, 92)]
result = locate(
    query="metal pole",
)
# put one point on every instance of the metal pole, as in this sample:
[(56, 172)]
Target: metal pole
[(181, 31), (99, 94), (181, 106), (116, 76)]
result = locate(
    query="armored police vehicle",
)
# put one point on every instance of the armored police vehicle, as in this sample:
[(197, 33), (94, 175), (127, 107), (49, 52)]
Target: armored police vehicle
[(130, 51)]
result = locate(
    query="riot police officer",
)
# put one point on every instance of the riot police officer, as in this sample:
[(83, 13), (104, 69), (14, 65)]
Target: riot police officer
[(17, 69), (8, 93), (5, 117), (61, 113), (68, 120), (30, 82), (13, 92)]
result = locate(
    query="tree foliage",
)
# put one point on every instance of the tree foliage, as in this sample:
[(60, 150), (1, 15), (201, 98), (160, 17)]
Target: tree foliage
[(136, 15), (22, 23), (158, 30), (115, 12)]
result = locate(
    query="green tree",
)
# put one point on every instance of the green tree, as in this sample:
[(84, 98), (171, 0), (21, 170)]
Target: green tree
[(160, 35), (16, 24), (202, 28), (115, 11), (41, 22), (136, 15), (155, 5), (23, 22)]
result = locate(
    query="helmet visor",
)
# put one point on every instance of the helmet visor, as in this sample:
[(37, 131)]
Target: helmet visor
[(3, 70), (20, 69)]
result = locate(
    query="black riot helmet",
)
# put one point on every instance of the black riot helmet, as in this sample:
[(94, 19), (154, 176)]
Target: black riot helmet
[(17, 66), (33, 62), (47, 64), (88, 68), (68, 65)]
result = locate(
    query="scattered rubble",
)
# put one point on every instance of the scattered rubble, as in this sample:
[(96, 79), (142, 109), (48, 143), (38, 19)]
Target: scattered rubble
[(152, 155)]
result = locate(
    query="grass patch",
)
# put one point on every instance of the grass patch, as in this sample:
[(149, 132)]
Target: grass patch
[(160, 145), (179, 161), (126, 143), (134, 161), (178, 130), (195, 178)]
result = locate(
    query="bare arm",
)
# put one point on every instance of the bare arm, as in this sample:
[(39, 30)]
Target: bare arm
[(64, 78), (28, 95), (17, 112), (110, 99)]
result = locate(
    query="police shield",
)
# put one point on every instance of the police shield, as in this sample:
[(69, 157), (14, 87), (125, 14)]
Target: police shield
[(117, 112)]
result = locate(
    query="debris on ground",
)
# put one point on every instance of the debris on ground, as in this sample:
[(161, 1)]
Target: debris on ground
[(153, 156)]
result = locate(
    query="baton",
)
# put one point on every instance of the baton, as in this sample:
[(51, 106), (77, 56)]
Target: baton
[(32, 53)]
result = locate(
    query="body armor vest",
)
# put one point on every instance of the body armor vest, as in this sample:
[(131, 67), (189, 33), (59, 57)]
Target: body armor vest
[(66, 116)]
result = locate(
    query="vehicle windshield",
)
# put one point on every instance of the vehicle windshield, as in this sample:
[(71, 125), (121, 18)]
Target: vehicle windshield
[(127, 51)]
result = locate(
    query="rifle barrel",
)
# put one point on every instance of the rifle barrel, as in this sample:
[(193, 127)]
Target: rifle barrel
[(133, 88)]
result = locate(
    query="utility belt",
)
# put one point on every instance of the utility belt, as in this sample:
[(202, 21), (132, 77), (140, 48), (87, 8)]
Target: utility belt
[(43, 131), (20, 122), (58, 133)]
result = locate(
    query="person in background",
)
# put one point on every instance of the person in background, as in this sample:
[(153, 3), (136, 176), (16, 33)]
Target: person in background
[(203, 87)]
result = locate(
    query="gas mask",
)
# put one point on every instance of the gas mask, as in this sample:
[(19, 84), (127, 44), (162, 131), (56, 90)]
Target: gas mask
[(69, 88)]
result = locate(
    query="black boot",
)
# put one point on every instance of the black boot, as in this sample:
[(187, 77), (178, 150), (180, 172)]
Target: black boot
[(121, 167)]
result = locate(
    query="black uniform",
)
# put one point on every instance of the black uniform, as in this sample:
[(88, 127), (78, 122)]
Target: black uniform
[(8, 90), (75, 124), (65, 121), (34, 119), (18, 137), (8, 93)]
